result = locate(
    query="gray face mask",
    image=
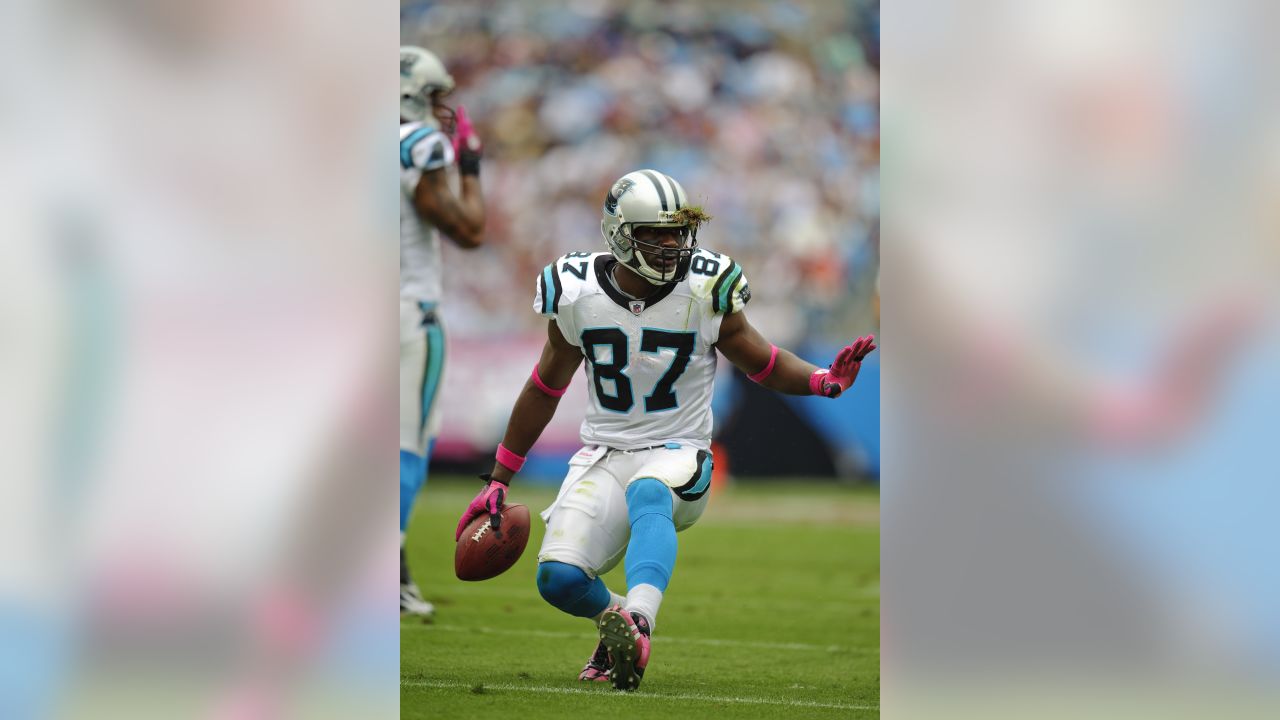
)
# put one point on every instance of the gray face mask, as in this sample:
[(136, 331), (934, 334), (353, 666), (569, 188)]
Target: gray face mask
[(665, 263)]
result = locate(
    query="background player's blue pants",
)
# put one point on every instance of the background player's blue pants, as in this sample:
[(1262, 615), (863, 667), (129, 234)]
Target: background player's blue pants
[(651, 553), (413, 467), (413, 475)]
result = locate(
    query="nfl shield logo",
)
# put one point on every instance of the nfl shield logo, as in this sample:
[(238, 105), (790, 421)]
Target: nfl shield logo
[(637, 306)]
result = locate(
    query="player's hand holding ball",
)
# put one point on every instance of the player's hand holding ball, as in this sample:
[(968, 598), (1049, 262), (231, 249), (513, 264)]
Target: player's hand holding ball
[(836, 379), (466, 144), (491, 535), (490, 500)]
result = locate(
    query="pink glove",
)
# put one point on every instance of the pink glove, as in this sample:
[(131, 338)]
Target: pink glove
[(835, 380), (490, 500), (464, 134)]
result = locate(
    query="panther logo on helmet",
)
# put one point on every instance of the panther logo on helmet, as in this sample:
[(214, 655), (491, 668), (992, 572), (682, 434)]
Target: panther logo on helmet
[(617, 191)]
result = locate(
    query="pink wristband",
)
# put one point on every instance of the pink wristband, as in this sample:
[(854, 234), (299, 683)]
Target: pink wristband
[(544, 387), (508, 459), (815, 381), (768, 369)]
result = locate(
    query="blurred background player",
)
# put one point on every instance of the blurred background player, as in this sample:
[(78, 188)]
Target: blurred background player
[(648, 317), (432, 138)]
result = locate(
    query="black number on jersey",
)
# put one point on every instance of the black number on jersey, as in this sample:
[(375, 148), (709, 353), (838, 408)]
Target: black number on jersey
[(581, 272), (663, 396), (705, 266), (621, 400)]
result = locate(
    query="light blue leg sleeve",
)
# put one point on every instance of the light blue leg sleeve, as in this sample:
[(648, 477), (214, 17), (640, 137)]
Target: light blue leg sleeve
[(651, 553)]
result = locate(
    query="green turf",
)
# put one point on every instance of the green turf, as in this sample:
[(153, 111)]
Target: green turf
[(773, 612)]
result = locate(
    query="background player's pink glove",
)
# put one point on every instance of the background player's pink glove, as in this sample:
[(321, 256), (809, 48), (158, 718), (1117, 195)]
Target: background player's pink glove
[(836, 379), (466, 144), (490, 500)]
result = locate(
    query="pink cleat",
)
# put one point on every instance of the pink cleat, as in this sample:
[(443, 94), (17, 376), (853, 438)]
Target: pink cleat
[(625, 635)]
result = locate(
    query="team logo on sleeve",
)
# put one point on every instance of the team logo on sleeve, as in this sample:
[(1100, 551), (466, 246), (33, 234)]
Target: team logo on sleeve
[(744, 294)]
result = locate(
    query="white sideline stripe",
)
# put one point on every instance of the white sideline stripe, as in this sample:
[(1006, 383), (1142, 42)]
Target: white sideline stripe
[(661, 640), (635, 696)]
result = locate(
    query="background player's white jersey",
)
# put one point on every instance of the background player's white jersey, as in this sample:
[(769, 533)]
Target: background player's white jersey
[(650, 366), (423, 147)]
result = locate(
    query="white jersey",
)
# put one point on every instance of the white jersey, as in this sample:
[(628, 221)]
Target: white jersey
[(650, 365), (423, 147)]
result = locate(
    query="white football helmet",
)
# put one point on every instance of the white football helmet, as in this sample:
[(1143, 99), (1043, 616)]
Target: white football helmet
[(421, 74), (647, 197)]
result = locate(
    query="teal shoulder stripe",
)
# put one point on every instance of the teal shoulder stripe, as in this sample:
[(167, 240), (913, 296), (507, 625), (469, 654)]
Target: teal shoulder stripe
[(550, 298), (407, 145), (542, 293), (730, 279), (720, 281)]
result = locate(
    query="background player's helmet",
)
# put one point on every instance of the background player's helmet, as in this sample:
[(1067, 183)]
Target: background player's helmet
[(647, 197), (421, 74)]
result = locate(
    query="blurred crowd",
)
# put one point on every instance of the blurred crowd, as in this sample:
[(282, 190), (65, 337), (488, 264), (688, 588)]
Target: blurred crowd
[(767, 113)]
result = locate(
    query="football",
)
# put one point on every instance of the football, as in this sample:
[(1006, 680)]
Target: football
[(483, 553)]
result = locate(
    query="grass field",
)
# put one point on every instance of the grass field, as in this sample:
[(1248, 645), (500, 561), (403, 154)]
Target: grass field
[(773, 612)]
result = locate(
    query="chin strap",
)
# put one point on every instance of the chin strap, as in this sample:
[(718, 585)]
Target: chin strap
[(656, 284), (651, 281)]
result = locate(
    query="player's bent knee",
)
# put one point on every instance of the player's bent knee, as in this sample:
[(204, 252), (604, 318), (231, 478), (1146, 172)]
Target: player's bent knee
[(648, 496), (560, 583), (569, 588)]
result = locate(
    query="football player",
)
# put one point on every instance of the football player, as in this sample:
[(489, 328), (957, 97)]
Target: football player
[(432, 139), (648, 318)]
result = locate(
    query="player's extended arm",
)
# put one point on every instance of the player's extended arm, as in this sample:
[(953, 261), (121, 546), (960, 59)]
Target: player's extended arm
[(534, 408), (781, 370), (537, 404)]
